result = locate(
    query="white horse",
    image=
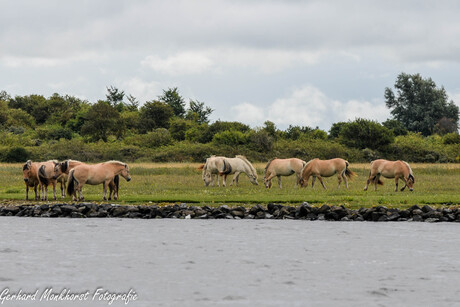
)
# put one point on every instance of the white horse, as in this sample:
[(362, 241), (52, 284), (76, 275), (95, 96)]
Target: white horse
[(239, 165), (213, 167)]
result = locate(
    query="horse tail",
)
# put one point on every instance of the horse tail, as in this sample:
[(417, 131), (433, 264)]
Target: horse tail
[(71, 185), (349, 173), (201, 166), (116, 181), (42, 176), (227, 168)]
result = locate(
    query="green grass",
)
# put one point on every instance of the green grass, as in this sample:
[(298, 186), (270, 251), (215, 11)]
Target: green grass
[(435, 184)]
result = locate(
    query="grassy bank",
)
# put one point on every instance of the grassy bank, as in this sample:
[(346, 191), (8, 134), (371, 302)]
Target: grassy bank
[(436, 184)]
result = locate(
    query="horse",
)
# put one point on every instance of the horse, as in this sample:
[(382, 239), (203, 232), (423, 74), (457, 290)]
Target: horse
[(236, 166), (326, 168), (95, 174), (282, 167), (61, 173), (30, 170), (391, 169), (46, 177), (214, 166), (62, 170)]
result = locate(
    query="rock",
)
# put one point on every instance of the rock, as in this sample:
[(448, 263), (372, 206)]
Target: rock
[(427, 209), (260, 215), (68, 209), (76, 214), (432, 220), (417, 217), (119, 211), (324, 208)]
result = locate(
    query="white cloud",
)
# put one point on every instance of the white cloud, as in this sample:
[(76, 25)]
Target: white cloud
[(308, 106), (142, 90), (183, 63)]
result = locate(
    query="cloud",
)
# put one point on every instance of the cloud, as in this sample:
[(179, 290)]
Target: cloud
[(308, 106), (142, 90), (183, 63)]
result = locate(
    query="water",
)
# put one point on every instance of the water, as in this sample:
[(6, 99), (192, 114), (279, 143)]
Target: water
[(233, 263)]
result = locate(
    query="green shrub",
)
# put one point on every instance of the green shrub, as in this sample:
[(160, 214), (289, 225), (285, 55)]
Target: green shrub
[(230, 138), (17, 154)]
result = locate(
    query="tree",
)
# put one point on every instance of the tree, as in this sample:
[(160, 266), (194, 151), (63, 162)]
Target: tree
[(362, 133), (395, 126), (172, 98), (197, 112), (419, 105), (154, 114), (102, 120), (133, 104), (115, 98)]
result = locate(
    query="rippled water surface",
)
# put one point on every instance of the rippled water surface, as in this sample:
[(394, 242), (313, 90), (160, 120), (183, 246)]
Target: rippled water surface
[(234, 263)]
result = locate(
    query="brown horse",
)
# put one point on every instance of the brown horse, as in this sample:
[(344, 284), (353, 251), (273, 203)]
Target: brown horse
[(282, 167), (95, 174), (30, 170), (62, 170), (391, 169), (326, 168)]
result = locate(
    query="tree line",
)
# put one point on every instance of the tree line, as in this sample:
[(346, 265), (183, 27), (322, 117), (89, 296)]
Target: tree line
[(423, 127)]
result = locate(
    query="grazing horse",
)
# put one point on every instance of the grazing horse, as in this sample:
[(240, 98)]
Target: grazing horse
[(391, 169), (214, 167), (236, 166), (95, 174), (30, 170), (282, 167), (326, 168), (62, 170), (46, 177)]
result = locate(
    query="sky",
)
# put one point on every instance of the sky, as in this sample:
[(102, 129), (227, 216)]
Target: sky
[(306, 63)]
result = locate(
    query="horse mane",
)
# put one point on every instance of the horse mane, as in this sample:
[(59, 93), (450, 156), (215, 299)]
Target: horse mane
[(253, 170), (116, 162), (408, 166), (268, 164)]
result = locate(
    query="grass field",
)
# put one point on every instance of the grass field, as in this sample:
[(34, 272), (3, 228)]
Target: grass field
[(435, 184)]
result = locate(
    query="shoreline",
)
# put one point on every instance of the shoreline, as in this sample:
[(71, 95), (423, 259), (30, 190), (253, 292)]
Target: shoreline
[(303, 211)]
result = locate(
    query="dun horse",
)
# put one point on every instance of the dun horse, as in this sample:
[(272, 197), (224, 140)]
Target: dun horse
[(30, 170), (282, 167), (95, 174), (62, 170), (391, 169), (214, 167), (46, 177), (326, 168), (236, 166)]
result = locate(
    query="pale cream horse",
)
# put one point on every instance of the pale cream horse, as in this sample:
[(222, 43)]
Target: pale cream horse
[(95, 174), (214, 166), (283, 167), (391, 169), (236, 166), (326, 168)]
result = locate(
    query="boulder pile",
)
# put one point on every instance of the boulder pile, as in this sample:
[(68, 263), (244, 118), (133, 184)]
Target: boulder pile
[(303, 211)]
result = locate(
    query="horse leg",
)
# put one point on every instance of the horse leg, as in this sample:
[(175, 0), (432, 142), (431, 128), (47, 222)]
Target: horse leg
[(54, 190), (234, 178), (376, 181), (340, 180), (279, 181), (322, 183), (405, 183), (27, 192), (345, 179), (35, 190), (224, 180), (104, 188), (313, 179)]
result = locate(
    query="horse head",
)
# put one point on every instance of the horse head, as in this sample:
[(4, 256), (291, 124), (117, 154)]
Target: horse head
[(410, 182), (125, 173), (27, 170)]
